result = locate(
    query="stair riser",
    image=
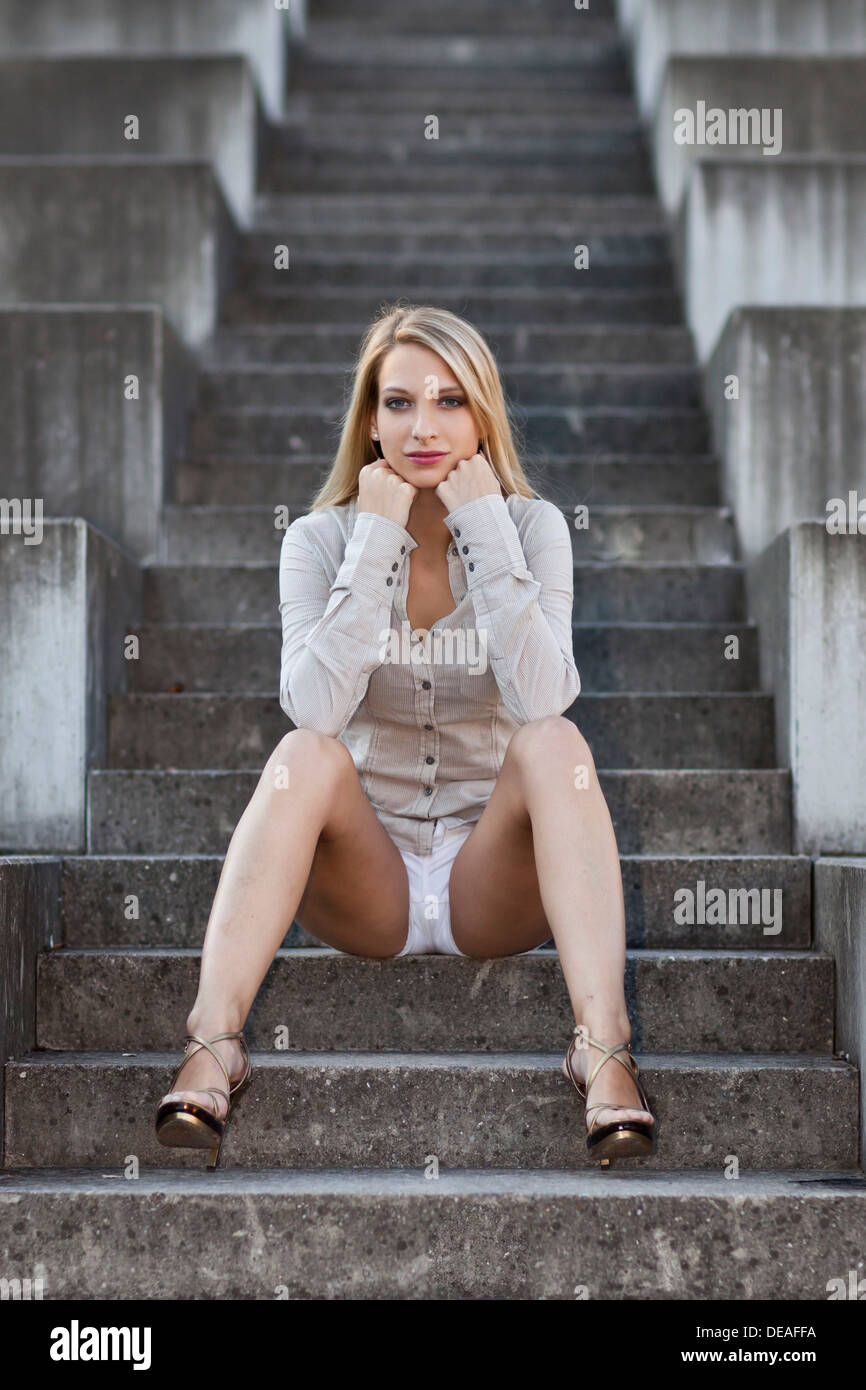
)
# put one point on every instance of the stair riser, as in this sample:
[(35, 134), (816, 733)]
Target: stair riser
[(726, 812), (328, 1245), (241, 537), (607, 247), (426, 275), (425, 1004), (593, 175), (609, 659), (203, 594), (398, 144), (298, 431), (240, 731), (334, 347), (486, 309), (292, 482), (175, 897), (393, 1116)]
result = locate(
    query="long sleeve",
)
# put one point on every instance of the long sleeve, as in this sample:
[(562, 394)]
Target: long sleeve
[(523, 595), (332, 636)]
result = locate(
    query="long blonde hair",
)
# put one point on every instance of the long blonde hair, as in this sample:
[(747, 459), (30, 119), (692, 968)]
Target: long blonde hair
[(475, 370)]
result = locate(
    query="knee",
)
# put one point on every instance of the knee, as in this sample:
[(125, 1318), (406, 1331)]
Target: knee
[(306, 756), (550, 741)]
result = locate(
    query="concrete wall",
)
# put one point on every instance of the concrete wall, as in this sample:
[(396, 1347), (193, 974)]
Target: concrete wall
[(30, 893), (807, 593), (820, 102), (839, 907), (70, 434), (66, 603), (254, 28), (149, 230), (662, 28), (770, 231), (797, 434), (190, 108)]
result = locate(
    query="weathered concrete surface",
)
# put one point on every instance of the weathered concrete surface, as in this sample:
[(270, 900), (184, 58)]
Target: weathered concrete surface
[(820, 101), (777, 231), (796, 436), (30, 893), (54, 28), (390, 1110), (660, 29), (187, 108), (746, 811), (124, 229), (66, 604), (403, 1235), (678, 1001), (176, 892), (840, 929), (72, 435), (807, 592)]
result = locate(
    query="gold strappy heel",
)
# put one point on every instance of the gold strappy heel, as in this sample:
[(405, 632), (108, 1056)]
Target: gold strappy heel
[(620, 1138), (183, 1124)]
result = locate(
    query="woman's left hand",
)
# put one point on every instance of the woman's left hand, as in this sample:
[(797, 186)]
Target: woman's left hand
[(468, 479)]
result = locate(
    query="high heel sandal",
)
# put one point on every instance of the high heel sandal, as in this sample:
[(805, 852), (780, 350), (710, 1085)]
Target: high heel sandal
[(620, 1138), (184, 1124)]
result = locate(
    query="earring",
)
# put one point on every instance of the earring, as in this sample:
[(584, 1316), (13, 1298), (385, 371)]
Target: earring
[(375, 435)]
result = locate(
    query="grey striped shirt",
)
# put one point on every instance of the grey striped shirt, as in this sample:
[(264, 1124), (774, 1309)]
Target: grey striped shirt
[(427, 719)]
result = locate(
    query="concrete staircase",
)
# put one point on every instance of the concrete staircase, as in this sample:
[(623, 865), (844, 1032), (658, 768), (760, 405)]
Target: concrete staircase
[(389, 1070)]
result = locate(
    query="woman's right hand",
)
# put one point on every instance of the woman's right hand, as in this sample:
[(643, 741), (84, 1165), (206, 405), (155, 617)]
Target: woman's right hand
[(383, 491)]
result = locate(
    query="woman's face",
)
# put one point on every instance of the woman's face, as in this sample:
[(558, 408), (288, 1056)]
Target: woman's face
[(422, 410)]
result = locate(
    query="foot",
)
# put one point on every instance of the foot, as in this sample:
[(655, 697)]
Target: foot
[(203, 1070), (612, 1083)]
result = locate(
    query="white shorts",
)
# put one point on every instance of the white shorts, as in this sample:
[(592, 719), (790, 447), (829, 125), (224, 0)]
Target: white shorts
[(429, 910)]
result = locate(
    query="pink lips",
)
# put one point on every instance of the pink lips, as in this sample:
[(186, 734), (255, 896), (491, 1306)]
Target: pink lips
[(427, 458)]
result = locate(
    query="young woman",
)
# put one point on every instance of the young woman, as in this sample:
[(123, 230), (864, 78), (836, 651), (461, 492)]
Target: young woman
[(432, 797)]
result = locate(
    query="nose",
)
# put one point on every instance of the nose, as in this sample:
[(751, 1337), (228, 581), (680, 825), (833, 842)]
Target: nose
[(424, 427)]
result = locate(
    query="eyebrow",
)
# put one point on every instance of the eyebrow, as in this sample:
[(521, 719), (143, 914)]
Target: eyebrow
[(404, 392)]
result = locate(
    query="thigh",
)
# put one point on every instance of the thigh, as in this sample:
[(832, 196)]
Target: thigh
[(357, 894), (493, 894)]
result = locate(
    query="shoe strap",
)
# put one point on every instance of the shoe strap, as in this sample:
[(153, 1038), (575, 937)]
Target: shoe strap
[(631, 1067), (206, 1042)]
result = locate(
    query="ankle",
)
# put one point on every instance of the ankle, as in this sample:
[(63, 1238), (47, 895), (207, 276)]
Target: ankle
[(205, 1026), (608, 1030)]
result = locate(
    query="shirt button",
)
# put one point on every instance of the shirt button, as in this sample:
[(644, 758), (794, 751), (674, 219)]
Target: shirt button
[(471, 566), (456, 532), (428, 726), (454, 550), (429, 760), (389, 580), (466, 550), (402, 550), (428, 791), (425, 685), (394, 566)]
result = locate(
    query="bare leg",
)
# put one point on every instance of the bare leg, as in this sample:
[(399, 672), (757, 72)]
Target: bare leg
[(264, 878), (542, 861)]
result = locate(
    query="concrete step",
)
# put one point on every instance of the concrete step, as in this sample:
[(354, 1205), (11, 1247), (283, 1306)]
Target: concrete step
[(483, 307), (257, 273), (574, 40), (642, 386), (532, 18), (426, 69), (682, 1001), (602, 593), (431, 1233), (332, 344), (551, 212), (624, 731), (175, 894), (640, 480), (511, 244), (238, 535), (582, 174), (391, 1110), (653, 812), (660, 657), (407, 141), (579, 428)]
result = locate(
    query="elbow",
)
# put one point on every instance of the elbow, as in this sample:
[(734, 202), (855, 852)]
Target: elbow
[(319, 721)]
